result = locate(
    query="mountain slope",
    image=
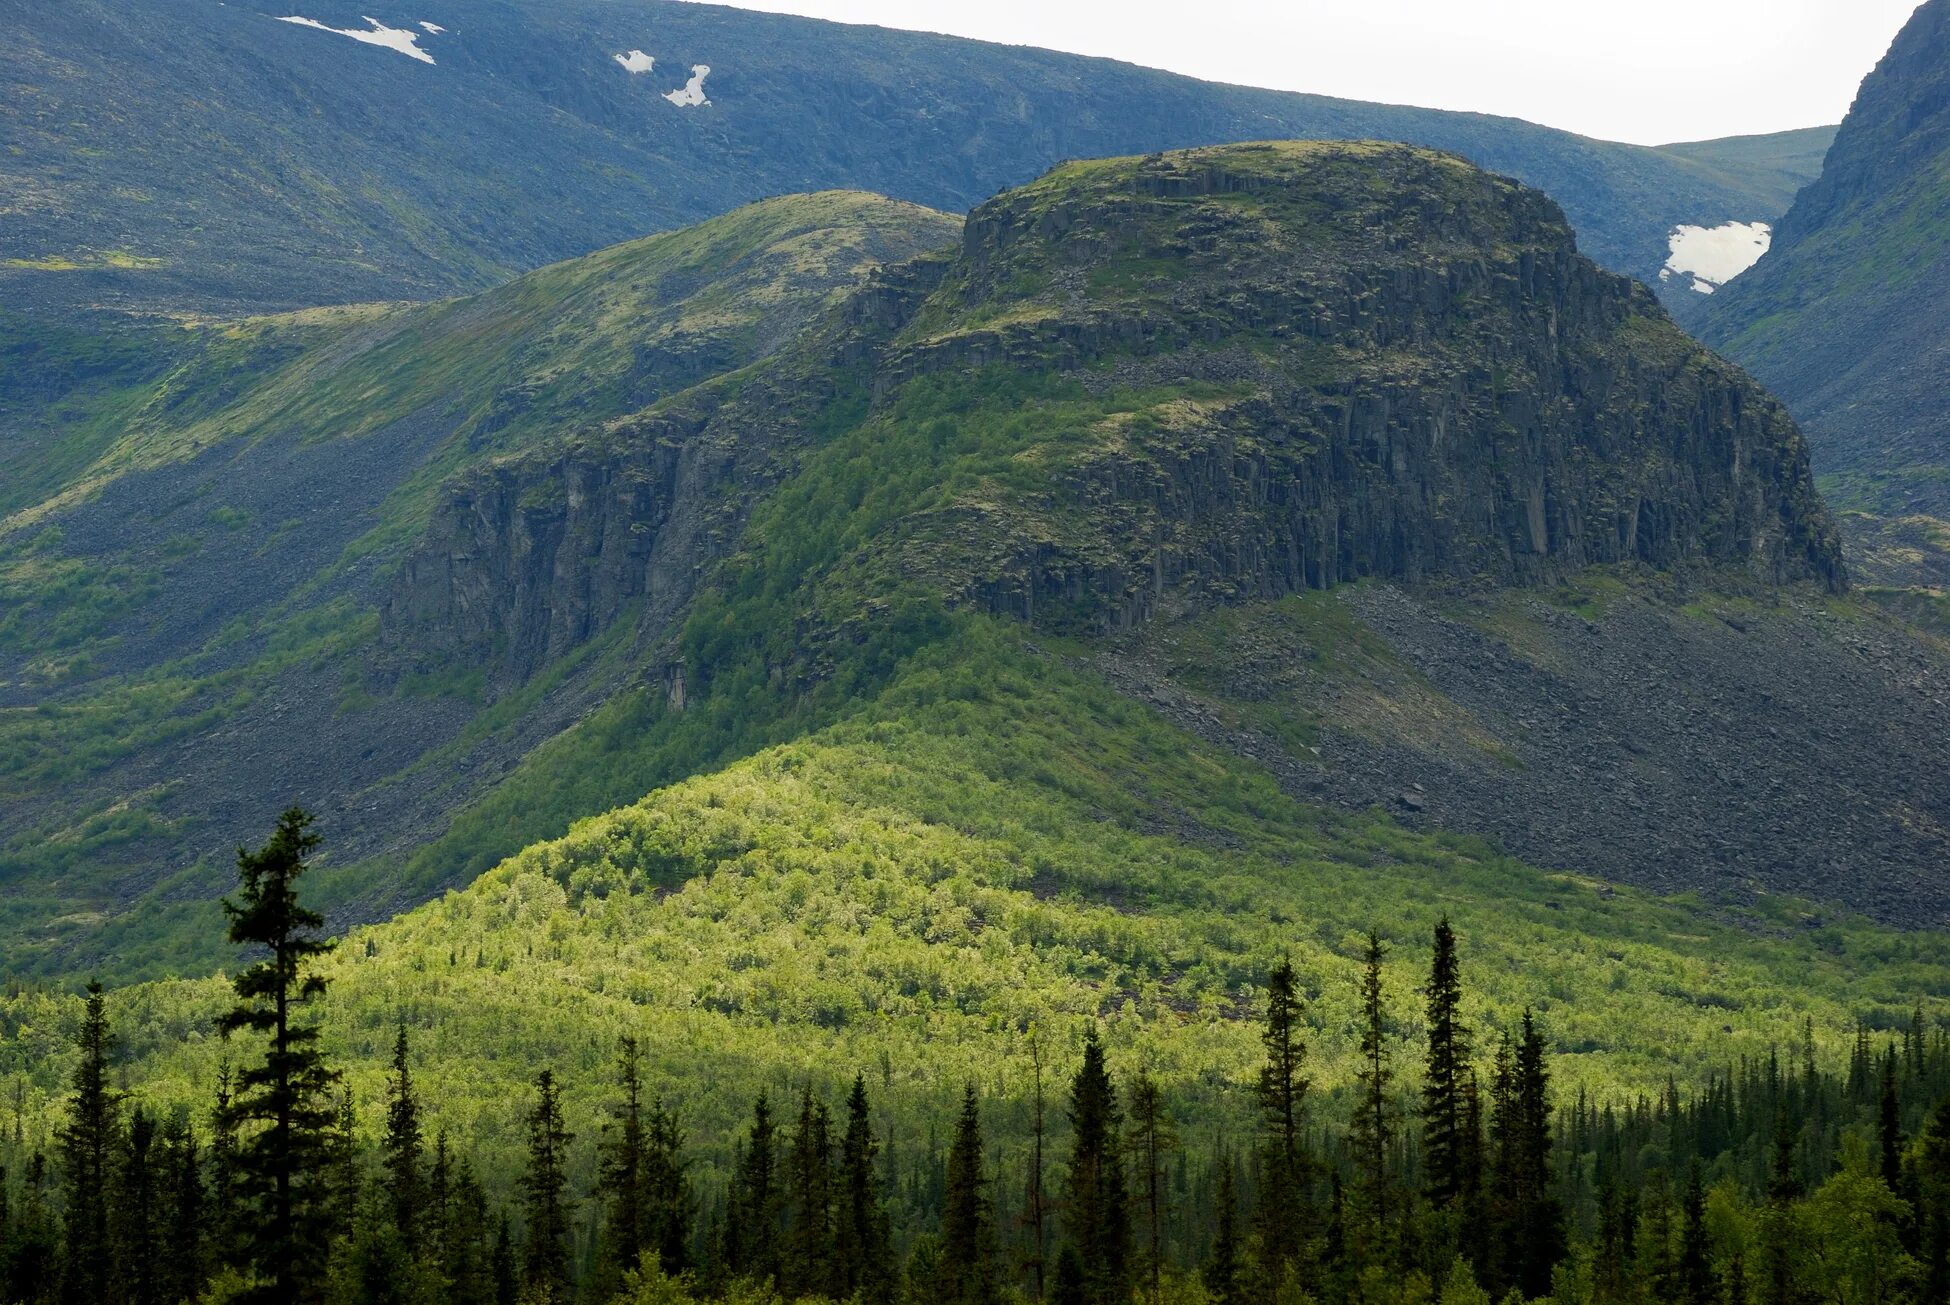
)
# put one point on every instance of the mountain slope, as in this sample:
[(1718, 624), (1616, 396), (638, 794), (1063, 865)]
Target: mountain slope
[(1845, 317), (202, 154), (187, 614), (1142, 394), (995, 850)]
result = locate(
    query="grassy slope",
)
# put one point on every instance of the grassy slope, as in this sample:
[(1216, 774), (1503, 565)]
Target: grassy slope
[(993, 844), (1772, 168), (566, 348)]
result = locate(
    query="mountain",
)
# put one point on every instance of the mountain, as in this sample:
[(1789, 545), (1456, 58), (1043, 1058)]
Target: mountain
[(1307, 450), (216, 156), (1019, 643), (1845, 318), (204, 520)]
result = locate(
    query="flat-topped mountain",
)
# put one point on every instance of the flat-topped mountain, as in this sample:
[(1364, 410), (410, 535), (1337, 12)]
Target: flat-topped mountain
[(1120, 409)]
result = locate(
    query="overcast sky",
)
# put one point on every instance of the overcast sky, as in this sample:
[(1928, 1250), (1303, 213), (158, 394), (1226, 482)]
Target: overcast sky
[(1651, 71)]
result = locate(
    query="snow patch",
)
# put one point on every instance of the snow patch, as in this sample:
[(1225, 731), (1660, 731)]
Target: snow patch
[(434, 28), (636, 61), (692, 94), (1713, 256), (401, 39)]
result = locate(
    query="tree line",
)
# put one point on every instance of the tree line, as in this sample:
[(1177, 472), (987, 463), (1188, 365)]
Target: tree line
[(1774, 1183)]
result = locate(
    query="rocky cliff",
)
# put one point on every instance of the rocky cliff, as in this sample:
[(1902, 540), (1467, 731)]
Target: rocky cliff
[(1151, 384), (1846, 318)]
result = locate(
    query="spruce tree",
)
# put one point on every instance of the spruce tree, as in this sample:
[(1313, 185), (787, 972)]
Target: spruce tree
[(1153, 1136), (1224, 1273), (1539, 1227), (1097, 1216), (621, 1162), (1283, 1163), (282, 1163), (185, 1262), (1446, 1145), (751, 1241), (809, 1268), (33, 1265), (227, 1247), (88, 1138), (400, 1150), (1696, 1284), (1035, 1205), (136, 1205), (544, 1189), (863, 1249), (965, 1259), (1889, 1130), (1372, 1130)]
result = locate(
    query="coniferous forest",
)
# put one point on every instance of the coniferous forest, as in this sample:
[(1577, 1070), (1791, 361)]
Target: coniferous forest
[(1458, 1175)]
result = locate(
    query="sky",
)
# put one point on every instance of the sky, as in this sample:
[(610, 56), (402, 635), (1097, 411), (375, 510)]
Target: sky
[(1648, 71)]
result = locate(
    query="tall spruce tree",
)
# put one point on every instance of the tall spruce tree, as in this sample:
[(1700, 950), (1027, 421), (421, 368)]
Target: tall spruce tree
[(1097, 1213), (863, 1247), (1696, 1283), (1035, 1203), (621, 1164), (227, 1247), (809, 1268), (1371, 1133), (1224, 1270), (545, 1272), (136, 1207), (400, 1150), (185, 1257), (1153, 1137), (965, 1257), (88, 1138), (1282, 1216), (751, 1229), (1889, 1125), (282, 1169), (1446, 1145)]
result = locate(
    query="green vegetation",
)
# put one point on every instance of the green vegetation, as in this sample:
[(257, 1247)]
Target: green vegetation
[(1823, 1182)]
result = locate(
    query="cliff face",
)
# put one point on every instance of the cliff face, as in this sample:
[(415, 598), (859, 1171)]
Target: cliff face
[(1847, 318), (1151, 384), (1337, 362)]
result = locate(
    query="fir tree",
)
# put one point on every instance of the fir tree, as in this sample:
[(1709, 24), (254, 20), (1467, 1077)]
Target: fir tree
[(88, 1140), (809, 1269), (1446, 1144), (1223, 1275), (751, 1247), (1097, 1214), (1696, 1285), (1154, 1135), (281, 1166), (137, 1202), (863, 1249), (1372, 1131), (621, 1163), (185, 1263), (1283, 1162), (400, 1150), (544, 1190), (965, 1261), (1889, 1129)]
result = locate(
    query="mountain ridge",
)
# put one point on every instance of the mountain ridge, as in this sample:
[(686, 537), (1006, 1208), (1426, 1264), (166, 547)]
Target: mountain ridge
[(326, 170)]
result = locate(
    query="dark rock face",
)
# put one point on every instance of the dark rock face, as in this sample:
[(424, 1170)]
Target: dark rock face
[(1434, 385), (1382, 363)]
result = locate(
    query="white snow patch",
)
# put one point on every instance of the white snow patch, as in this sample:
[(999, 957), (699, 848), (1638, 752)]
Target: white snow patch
[(1713, 256), (401, 39), (636, 61), (692, 95), (434, 28)]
